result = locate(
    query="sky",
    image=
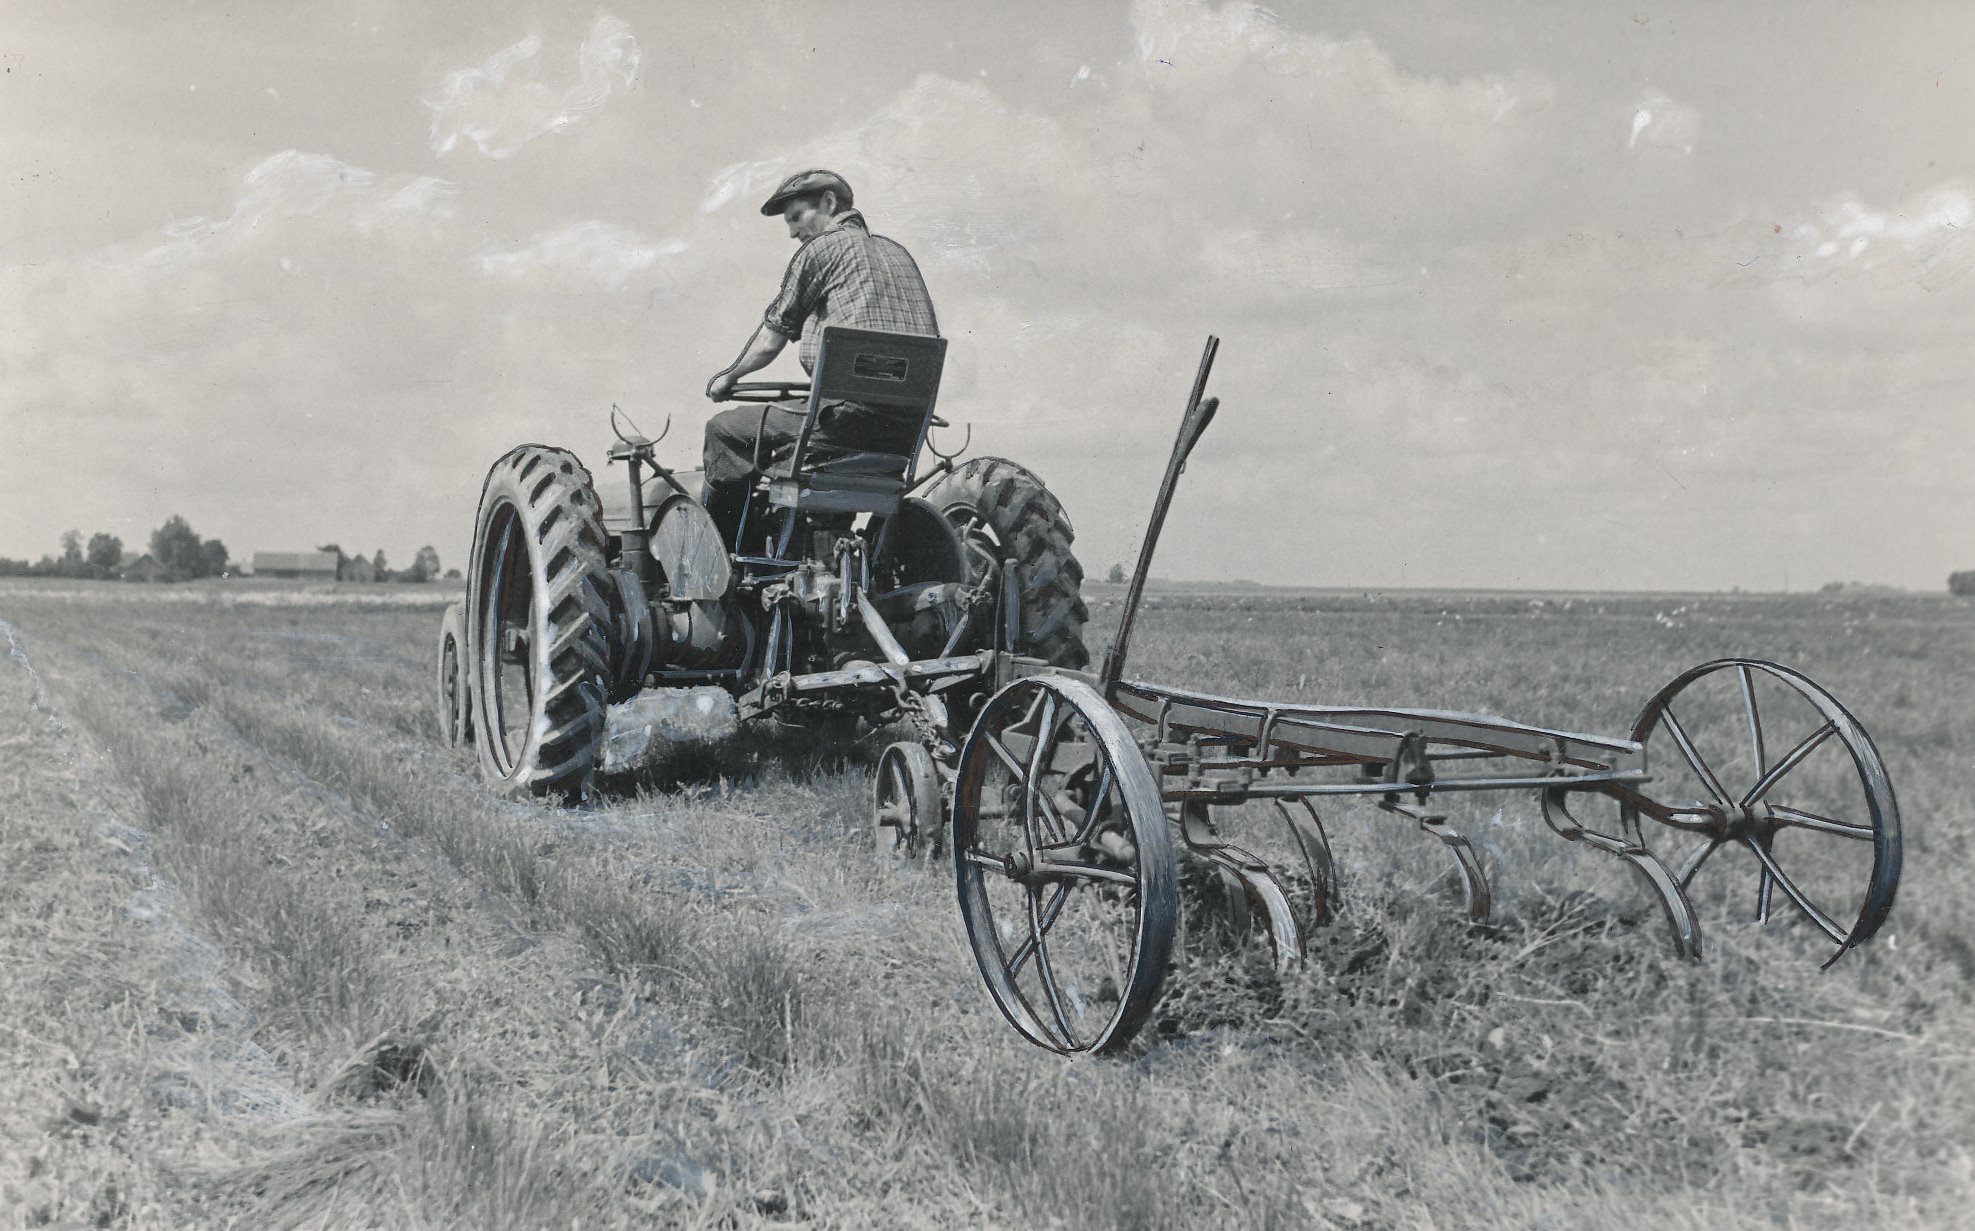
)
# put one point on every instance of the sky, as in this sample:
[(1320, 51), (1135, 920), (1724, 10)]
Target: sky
[(1511, 295)]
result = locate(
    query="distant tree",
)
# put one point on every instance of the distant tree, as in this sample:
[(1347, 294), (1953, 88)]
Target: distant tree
[(342, 560), (212, 558), (72, 563), (1116, 574), (177, 549), (105, 554), (379, 571), (425, 566), (14, 568), (452, 574), (1962, 583)]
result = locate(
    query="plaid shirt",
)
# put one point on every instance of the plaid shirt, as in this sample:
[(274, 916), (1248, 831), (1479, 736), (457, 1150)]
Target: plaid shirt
[(848, 276)]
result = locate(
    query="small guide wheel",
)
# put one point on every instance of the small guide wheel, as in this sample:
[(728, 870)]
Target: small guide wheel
[(1064, 863), (1771, 768), (906, 801), (455, 713)]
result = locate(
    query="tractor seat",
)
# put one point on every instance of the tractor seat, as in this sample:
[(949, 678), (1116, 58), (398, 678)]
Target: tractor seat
[(831, 481), (822, 460), (895, 374)]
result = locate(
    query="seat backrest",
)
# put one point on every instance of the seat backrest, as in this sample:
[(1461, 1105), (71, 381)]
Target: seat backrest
[(895, 373)]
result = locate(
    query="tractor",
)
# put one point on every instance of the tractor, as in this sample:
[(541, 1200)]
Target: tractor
[(858, 588)]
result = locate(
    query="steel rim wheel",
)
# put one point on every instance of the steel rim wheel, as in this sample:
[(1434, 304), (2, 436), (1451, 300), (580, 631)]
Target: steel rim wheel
[(455, 718), (1780, 773), (906, 801), (1064, 864)]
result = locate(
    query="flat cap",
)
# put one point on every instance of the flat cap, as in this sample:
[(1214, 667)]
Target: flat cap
[(803, 183)]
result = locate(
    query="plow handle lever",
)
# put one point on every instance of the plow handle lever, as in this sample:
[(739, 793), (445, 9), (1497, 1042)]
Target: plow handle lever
[(1199, 413)]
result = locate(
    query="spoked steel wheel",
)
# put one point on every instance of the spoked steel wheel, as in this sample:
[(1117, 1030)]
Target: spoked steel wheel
[(538, 623), (455, 717), (1064, 864), (1767, 770), (906, 801)]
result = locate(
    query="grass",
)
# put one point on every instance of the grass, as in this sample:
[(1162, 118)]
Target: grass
[(704, 1004)]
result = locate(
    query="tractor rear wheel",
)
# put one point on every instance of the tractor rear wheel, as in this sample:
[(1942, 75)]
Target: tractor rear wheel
[(538, 623), (1003, 512)]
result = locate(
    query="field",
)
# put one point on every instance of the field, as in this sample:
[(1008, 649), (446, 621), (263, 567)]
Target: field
[(275, 957)]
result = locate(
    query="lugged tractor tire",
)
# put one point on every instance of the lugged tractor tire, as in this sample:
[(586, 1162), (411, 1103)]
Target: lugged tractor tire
[(1001, 509), (538, 624)]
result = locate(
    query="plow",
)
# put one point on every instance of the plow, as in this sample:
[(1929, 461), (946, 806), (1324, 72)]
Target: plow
[(1073, 805)]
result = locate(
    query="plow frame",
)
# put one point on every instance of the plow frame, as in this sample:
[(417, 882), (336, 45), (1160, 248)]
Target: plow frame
[(1047, 796)]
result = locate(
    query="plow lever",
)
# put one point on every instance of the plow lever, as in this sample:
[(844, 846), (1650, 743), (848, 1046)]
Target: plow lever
[(1199, 413)]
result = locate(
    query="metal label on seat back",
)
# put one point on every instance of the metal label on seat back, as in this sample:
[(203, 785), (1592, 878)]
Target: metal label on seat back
[(868, 366)]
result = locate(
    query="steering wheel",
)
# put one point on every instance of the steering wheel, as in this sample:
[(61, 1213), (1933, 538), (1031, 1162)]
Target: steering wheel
[(768, 391)]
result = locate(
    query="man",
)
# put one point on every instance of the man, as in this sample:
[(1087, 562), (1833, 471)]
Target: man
[(842, 275)]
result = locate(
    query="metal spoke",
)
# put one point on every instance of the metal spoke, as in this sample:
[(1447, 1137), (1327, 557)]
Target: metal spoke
[(1749, 708), (895, 812), (990, 862), (1045, 727), (1790, 762), (1789, 887), (1800, 819), (1094, 812), (1049, 914), (1007, 758), (1046, 810), (1063, 869), (1693, 862), (1693, 756), (1047, 974)]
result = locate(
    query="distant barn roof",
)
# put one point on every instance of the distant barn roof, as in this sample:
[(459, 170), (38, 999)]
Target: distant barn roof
[(295, 561)]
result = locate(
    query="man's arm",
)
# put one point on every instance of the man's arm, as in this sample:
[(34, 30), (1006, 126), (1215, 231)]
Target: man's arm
[(760, 352)]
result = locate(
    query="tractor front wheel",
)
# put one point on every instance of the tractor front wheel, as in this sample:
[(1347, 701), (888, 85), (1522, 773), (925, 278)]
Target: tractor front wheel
[(455, 712), (538, 623)]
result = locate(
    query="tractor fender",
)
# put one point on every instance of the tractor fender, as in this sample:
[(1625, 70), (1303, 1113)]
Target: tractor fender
[(615, 497), (686, 543)]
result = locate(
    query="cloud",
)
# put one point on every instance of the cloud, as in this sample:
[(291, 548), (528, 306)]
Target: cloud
[(1188, 47), (292, 184), (1296, 259), (1167, 175), (1660, 123), (1926, 242), (426, 199), (333, 329), (595, 253), (501, 104)]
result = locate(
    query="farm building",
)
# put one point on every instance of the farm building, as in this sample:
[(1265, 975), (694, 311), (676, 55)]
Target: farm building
[(143, 568), (301, 565)]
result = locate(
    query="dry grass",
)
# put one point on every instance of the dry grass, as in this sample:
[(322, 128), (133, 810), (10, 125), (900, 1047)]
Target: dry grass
[(370, 994)]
